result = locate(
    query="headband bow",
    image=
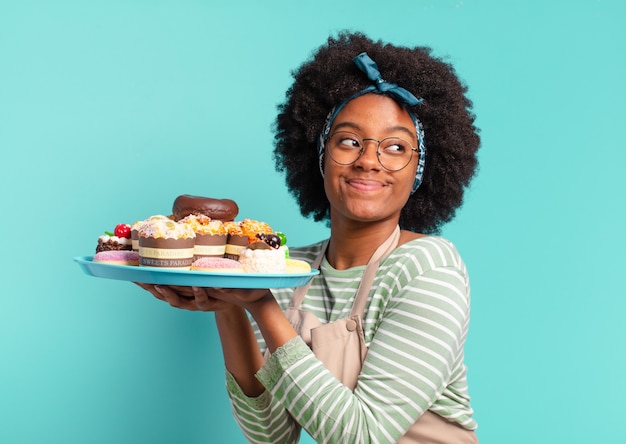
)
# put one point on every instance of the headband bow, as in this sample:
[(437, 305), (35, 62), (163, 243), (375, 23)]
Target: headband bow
[(370, 68)]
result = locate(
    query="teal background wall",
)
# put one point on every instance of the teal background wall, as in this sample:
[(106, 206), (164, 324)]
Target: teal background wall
[(110, 109)]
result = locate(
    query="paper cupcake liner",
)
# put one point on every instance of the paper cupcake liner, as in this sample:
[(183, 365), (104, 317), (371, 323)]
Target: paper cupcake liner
[(209, 245), (234, 245), (166, 253), (134, 239)]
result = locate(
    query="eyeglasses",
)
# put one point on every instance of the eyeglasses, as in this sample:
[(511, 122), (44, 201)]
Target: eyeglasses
[(394, 153)]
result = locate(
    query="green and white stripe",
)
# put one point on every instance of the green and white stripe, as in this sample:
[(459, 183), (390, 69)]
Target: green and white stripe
[(415, 324)]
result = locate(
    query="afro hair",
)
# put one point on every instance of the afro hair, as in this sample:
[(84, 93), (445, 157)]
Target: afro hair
[(331, 77)]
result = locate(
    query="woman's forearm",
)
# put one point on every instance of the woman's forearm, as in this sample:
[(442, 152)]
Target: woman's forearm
[(273, 324), (242, 356)]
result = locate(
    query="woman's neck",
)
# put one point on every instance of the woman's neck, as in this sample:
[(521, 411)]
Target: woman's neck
[(353, 244)]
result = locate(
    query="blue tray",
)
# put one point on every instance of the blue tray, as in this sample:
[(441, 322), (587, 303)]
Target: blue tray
[(151, 275)]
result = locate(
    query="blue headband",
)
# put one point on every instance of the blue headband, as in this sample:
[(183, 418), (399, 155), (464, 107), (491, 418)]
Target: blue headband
[(380, 86)]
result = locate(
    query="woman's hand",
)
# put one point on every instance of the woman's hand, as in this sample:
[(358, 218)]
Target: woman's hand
[(187, 298), (206, 299), (244, 298)]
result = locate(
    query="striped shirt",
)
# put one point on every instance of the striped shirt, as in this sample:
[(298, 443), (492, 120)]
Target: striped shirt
[(415, 324)]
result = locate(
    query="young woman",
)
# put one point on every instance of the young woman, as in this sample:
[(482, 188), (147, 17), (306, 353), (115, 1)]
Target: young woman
[(378, 140)]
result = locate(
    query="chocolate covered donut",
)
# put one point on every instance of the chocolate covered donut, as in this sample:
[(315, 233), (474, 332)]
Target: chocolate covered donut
[(219, 209)]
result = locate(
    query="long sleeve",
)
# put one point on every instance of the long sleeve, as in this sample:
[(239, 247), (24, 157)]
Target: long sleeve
[(261, 419)]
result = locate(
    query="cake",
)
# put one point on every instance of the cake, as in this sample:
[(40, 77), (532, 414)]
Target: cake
[(297, 266), (264, 255), (217, 209), (263, 260), (165, 243), (119, 239), (117, 257), (217, 264)]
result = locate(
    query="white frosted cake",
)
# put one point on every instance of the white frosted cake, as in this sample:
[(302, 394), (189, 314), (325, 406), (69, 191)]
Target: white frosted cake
[(263, 260)]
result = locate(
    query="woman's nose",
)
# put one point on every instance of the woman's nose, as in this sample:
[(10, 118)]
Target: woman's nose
[(369, 154)]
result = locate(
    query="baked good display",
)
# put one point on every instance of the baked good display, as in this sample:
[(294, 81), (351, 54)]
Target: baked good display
[(217, 264), (216, 209), (117, 257), (165, 243), (119, 239), (200, 235)]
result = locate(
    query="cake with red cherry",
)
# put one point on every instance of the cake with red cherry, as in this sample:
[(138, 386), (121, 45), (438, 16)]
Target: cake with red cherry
[(119, 239)]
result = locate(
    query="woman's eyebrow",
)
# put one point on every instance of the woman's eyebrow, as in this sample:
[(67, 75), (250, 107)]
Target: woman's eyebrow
[(355, 126), (409, 132), (349, 125)]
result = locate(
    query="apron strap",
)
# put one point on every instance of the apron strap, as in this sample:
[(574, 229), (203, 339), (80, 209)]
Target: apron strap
[(358, 307), (300, 292)]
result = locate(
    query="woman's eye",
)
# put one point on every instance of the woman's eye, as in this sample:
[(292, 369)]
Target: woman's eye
[(395, 147), (349, 143)]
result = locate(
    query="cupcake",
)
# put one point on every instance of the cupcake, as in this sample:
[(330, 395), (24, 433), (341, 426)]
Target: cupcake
[(210, 236), (236, 240), (253, 228), (243, 233), (165, 243), (134, 235)]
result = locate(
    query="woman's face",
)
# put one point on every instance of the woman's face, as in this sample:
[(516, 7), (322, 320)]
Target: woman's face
[(364, 191)]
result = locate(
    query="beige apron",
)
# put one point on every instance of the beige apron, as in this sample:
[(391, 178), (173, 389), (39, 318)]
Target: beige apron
[(340, 345)]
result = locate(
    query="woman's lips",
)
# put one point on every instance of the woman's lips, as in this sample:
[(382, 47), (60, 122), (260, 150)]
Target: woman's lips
[(365, 184)]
